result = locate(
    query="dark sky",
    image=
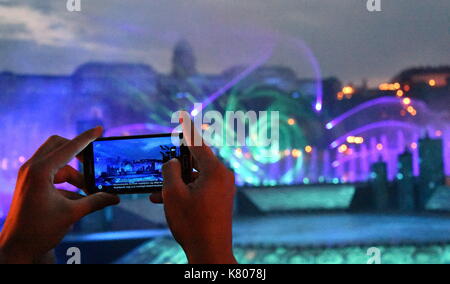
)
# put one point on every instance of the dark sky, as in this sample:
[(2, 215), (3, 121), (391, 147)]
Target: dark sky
[(136, 149), (43, 37)]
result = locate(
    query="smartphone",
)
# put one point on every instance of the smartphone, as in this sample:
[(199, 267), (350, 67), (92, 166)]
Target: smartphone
[(133, 164)]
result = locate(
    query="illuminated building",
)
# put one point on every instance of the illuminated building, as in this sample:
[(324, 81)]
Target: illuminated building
[(430, 85), (433, 77)]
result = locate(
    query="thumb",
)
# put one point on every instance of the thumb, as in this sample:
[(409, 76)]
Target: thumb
[(95, 202), (173, 181)]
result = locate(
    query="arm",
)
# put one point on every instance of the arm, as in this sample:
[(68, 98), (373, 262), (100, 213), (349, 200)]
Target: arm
[(200, 214), (40, 215)]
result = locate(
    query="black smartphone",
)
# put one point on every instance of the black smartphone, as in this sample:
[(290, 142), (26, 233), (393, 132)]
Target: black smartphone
[(133, 164)]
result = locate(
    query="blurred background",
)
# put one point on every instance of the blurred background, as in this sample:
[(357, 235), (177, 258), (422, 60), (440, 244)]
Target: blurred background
[(363, 100)]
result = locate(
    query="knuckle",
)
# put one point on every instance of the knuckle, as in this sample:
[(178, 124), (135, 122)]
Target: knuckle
[(28, 170), (36, 169), (53, 138), (24, 168), (32, 170), (33, 166)]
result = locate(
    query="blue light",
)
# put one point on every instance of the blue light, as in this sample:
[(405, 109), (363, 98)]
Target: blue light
[(120, 235)]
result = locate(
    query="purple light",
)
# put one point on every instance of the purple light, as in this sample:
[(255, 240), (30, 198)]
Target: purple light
[(336, 164), (263, 59), (317, 72), (368, 127), (384, 100), (214, 96)]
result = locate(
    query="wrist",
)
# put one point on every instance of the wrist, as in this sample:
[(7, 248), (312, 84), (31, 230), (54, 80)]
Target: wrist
[(9, 256), (207, 253), (212, 258)]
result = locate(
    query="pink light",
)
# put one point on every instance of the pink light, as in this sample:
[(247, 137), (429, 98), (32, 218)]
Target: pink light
[(5, 164)]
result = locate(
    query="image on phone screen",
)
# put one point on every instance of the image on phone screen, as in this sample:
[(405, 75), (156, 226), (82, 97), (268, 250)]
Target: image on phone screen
[(131, 163)]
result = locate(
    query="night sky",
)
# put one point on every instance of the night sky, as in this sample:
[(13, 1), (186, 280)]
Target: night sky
[(42, 37), (135, 149)]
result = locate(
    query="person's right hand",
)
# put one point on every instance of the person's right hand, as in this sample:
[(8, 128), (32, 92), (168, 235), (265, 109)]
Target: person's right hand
[(200, 214)]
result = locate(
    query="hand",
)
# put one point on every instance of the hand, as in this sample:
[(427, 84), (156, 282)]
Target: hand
[(41, 215), (200, 214)]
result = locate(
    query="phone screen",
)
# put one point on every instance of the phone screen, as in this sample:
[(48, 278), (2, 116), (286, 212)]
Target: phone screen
[(132, 164)]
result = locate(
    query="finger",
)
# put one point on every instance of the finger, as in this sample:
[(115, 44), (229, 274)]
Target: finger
[(202, 153), (173, 181), (70, 195), (52, 143), (74, 147), (156, 198), (69, 175), (80, 158), (95, 202)]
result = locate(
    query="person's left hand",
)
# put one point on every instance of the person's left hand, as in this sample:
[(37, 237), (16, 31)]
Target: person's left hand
[(41, 215)]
